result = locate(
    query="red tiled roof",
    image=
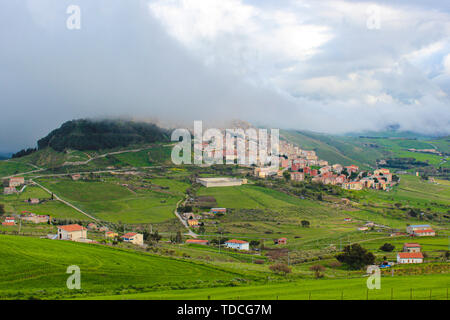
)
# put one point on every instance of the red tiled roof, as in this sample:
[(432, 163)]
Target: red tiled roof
[(410, 255), (412, 245), (8, 223), (72, 227), (236, 241), (129, 235), (423, 231)]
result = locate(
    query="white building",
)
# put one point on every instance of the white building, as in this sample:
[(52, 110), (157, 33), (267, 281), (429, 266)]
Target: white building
[(134, 238), (72, 232), (409, 257), (237, 244), (221, 182)]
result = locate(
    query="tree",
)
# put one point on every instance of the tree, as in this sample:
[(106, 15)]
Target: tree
[(280, 268), (155, 236), (318, 268), (254, 243), (201, 229), (2, 209), (286, 175), (387, 247), (178, 237), (305, 224), (356, 257)]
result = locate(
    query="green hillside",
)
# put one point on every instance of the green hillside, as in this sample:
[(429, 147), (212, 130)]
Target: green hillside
[(37, 268)]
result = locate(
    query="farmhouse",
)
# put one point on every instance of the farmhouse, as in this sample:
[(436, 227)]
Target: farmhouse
[(72, 232), (411, 247), (76, 177), (9, 221), (193, 222), (111, 234), (237, 244), (409, 257), (132, 237), (280, 241), (35, 218), (9, 190), (220, 182), (92, 226), (33, 201), (197, 241), (218, 210), (420, 230), (16, 181)]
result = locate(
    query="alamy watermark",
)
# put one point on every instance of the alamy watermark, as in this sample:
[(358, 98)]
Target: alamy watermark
[(374, 280), (244, 147), (73, 22), (74, 280)]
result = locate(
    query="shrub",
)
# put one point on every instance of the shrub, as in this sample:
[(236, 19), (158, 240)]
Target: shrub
[(387, 247), (280, 268)]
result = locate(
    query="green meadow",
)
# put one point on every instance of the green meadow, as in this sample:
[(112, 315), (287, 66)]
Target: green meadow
[(427, 287), (16, 203), (37, 268), (111, 201)]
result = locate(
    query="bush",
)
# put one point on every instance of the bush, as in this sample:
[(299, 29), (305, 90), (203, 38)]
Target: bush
[(356, 257), (387, 247), (280, 268)]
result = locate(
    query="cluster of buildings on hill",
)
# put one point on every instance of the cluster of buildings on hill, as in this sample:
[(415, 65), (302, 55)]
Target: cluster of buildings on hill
[(75, 232), (10, 185), (26, 216), (304, 163)]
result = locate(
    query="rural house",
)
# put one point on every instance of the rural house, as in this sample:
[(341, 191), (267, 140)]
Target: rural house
[(9, 221), (16, 181), (237, 244), (411, 247), (197, 241), (280, 241), (72, 232), (35, 218), (111, 234), (9, 190), (409, 257), (420, 230), (134, 238), (218, 210)]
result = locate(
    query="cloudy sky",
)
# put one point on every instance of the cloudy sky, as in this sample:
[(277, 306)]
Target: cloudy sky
[(331, 66)]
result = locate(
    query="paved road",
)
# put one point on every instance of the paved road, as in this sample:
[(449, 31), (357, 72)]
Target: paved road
[(190, 232)]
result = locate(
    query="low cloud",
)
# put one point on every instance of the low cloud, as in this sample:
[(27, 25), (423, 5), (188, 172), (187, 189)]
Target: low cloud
[(291, 64)]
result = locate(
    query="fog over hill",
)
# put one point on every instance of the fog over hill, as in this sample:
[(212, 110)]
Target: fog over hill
[(307, 66)]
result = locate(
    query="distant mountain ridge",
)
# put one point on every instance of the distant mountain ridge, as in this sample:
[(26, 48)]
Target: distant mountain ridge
[(85, 134)]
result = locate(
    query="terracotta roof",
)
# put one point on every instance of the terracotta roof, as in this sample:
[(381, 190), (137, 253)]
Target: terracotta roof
[(129, 235), (236, 241), (196, 241), (410, 255), (72, 227), (412, 245), (8, 223), (423, 231)]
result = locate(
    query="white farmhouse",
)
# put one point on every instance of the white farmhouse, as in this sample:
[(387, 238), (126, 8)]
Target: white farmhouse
[(237, 244), (72, 232), (409, 257)]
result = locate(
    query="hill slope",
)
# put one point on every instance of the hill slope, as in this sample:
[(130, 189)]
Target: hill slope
[(38, 267), (86, 134)]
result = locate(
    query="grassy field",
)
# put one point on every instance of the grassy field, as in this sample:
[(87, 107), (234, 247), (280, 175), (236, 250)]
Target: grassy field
[(37, 267), (17, 203), (10, 167), (397, 288), (110, 200)]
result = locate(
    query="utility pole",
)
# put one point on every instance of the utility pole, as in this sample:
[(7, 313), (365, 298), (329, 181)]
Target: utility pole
[(20, 225), (289, 259)]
